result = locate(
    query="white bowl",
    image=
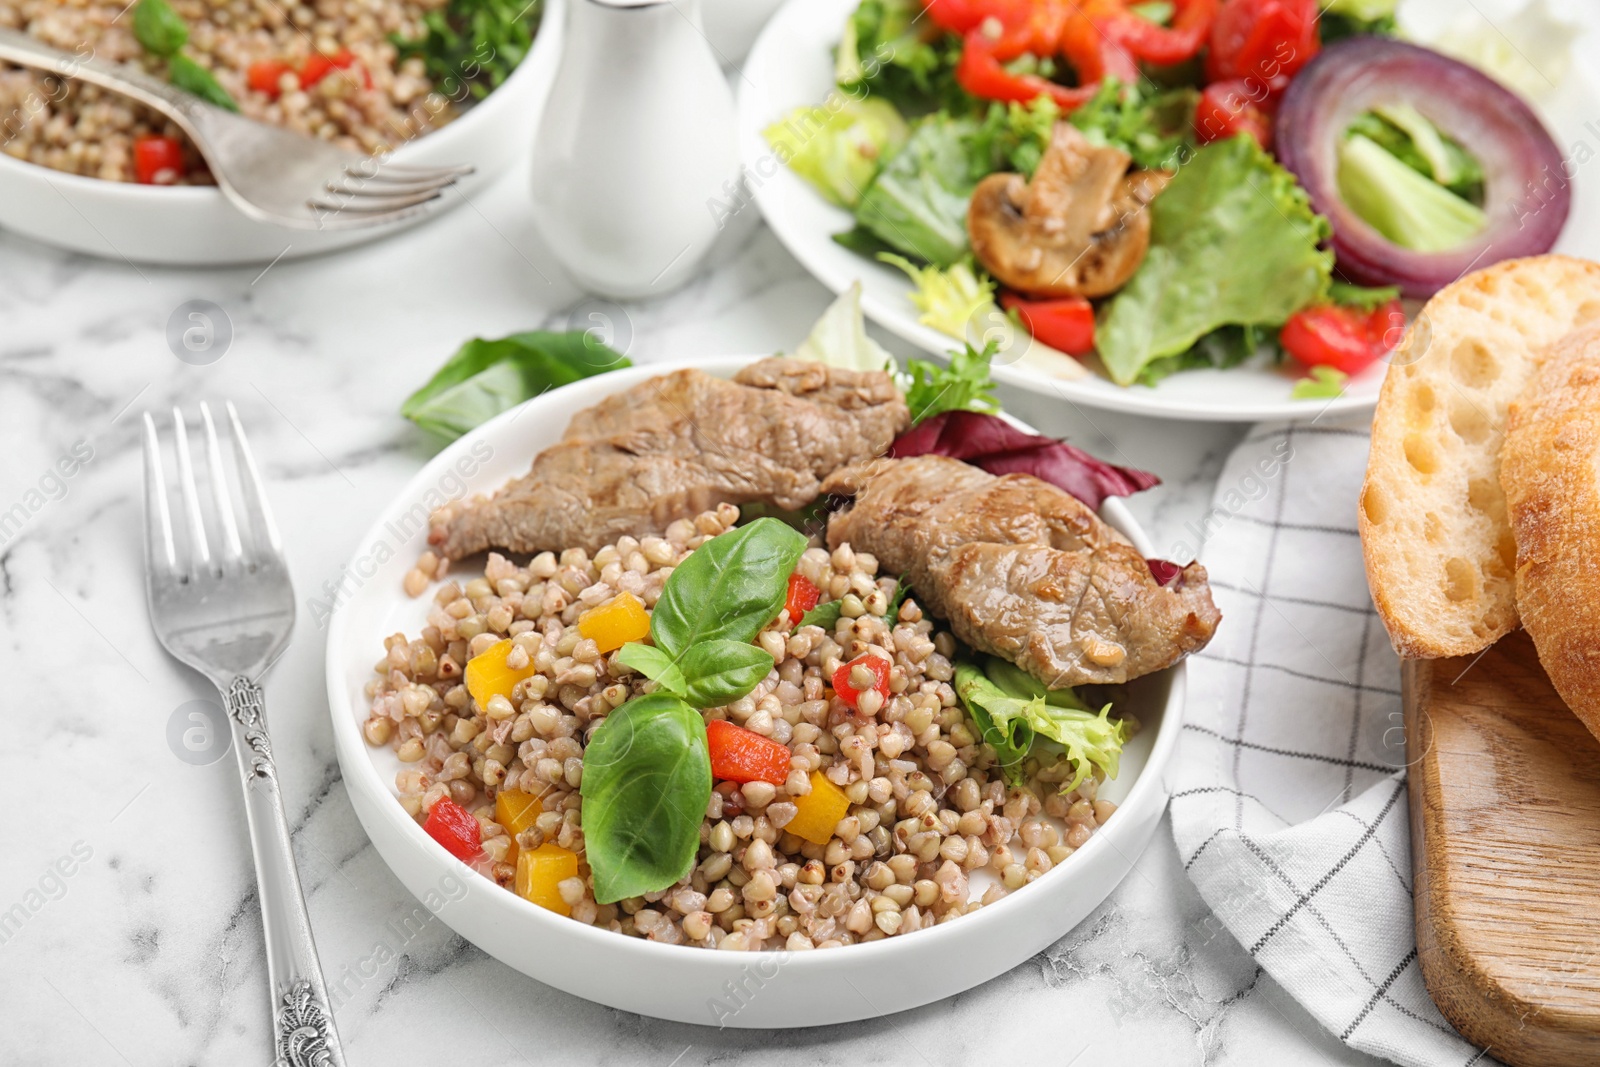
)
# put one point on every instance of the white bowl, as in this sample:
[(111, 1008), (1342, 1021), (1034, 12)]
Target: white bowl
[(779, 989), (198, 226), (792, 65)]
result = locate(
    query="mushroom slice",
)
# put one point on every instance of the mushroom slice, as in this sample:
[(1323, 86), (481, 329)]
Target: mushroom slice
[(1079, 228)]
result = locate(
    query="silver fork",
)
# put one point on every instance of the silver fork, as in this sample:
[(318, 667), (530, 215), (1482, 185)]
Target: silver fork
[(228, 614), (268, 173)]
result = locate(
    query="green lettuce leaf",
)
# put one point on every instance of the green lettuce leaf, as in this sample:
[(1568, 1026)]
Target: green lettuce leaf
[(487, 377), (838, 147), (918, 204), (1014, 710), (1323, 383), (1233, 241), (840, 339)]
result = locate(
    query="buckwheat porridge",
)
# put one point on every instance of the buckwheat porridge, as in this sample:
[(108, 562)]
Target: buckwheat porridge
[(922, 804)]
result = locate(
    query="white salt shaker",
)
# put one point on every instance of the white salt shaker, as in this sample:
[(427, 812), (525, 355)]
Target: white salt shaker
[(636, 145)]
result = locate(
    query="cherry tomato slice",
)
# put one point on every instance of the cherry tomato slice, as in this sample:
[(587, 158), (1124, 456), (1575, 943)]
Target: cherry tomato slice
[(455, 828), (848, 692), (1268, 40), (1347, 339), (1226, 109), (158, 160), (1065, 324)]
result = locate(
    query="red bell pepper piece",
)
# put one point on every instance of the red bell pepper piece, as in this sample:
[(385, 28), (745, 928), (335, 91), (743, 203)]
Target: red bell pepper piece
[(266, 75), (849, 693), (803, 596), (318, 66), (158, 160), (1065, 324), (740, 755), (455, 828), (1162, 45), (1345, 338)]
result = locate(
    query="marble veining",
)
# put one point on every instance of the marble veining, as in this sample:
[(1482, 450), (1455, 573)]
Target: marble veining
[(131, 932)]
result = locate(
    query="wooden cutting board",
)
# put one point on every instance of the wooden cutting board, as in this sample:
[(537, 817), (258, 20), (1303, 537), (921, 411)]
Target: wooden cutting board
[(1505, 847)]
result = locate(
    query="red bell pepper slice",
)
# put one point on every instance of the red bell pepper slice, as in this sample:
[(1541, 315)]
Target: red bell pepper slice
[(266, 75), (849, 693), (1160, 45), (1065, 324), (803, 596), (157, 160), (740, 755), (1345, 338), (455, 828)]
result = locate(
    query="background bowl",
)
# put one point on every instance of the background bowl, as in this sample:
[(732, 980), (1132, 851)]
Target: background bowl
[(198, 226), (767, 989), (791, 65)]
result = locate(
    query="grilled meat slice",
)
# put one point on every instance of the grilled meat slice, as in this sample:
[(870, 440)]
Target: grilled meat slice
[(676, 445), (1022, 570)]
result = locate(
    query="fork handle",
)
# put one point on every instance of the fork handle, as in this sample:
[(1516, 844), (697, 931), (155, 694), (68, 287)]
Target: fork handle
[(302, 1020), (28, 51)]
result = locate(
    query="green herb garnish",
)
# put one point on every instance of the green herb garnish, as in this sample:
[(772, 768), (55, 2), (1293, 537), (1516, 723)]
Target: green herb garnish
[(162, 32), (962, 385), (473, 44), (1323, 383)]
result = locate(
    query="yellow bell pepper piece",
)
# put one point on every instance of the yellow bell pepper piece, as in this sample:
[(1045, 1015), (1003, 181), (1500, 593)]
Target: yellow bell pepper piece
[(487, 674), (616, 622), (516, 810), (541, 871), (820, 810)]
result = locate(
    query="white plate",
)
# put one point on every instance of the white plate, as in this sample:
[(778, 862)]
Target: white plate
[(198, 226), (672, 981), (791, 65)]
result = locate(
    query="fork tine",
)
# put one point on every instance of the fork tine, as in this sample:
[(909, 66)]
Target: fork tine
[(389, 189), (200, 552), (408, 172), (160, 555), (367, 205), (232, 549), (255, 495)]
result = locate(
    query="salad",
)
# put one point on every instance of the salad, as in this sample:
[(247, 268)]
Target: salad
[(1159, 187)]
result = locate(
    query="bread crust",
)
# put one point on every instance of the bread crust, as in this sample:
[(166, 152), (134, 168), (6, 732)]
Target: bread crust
[(1439, 550), (1550, 469)]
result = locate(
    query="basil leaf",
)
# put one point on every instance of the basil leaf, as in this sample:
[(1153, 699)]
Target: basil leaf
[(486, 377), (827, 615), (646, 782), (656, 665), (720, 672), (191, 77), (728, 588), (823, 615), (158, 28)]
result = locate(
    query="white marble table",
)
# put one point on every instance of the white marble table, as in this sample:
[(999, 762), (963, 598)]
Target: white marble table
[(149, 950)]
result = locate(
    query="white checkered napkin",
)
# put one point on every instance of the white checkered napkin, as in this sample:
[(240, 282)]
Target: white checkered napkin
[(1289, 801)]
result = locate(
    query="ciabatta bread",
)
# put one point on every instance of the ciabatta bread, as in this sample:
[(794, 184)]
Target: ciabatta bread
[(1550, 468), (1439, 549)]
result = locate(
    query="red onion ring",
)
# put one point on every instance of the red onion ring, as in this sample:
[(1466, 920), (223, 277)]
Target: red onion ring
[(1527, 184)]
